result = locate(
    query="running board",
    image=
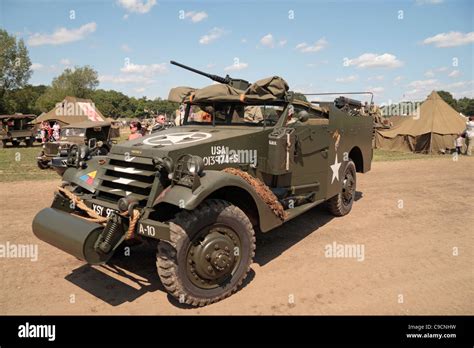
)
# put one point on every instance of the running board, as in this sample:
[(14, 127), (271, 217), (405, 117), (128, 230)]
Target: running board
[(294, 212)]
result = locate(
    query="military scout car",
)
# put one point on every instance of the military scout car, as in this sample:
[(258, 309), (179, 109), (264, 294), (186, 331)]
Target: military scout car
[(248, 157), (96, 135), (17, 128)]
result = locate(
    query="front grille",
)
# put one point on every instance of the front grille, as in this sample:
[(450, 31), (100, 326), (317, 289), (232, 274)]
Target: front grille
[(51, 149), (132, 178)]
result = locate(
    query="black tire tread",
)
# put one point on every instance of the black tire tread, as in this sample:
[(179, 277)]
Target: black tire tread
[(166, 261)]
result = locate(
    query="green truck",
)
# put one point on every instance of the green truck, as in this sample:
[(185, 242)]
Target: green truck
[(247, 159), (17, 128)]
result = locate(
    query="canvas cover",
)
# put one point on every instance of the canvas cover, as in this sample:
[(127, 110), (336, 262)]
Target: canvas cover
[(179, 94), (265, 90), (72, 110), (433, 131)]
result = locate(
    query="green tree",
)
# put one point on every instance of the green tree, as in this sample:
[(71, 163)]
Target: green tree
[(466, 106), (15, 67), (24, 99), (79, 82), (113, 104), (448, 98)]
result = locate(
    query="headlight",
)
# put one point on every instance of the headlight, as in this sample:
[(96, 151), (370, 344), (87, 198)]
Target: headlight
[(195, 165)]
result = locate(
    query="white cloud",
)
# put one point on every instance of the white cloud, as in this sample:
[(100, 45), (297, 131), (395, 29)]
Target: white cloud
[(347, 79), (140, 89), (454, 73), (377, 90), (244, 40), (428, 2), (214, 34), (236, 67), (125, 48), (65, 61), (374, 60), (429, 73), (267, 41), (126, 79), (397, 79), (195, 17), (37, 66), (62, 35), (148, 70), (423, 83), (377, 78), (283, 42), (451, 39), (137, 6), (317, 46)]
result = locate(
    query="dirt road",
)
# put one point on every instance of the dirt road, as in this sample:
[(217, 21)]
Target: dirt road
[(413, 220)]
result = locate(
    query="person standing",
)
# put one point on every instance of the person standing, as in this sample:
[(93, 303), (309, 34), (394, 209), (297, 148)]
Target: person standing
[(469, 132), (459, 142), (56, 131), (135, 130)]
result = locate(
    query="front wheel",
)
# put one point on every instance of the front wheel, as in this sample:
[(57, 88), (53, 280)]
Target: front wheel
[(211, 250), (341, 204)]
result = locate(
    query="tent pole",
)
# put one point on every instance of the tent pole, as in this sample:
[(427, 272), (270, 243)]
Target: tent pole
[(431, 141)]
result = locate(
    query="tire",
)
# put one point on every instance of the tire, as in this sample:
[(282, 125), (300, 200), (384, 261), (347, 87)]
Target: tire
[(29, 142), (4, 144), (42, 165), (341, 204), (193, 267)]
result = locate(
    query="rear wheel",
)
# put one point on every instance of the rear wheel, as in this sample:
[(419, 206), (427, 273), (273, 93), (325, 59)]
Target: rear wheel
[(341, 204), (4, 143), (211, 250)]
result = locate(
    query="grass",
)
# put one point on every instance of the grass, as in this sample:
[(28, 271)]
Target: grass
[(19, 163), (385, 155)]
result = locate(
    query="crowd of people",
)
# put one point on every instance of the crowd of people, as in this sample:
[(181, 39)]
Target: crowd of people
[(137, 129), (49, 133)]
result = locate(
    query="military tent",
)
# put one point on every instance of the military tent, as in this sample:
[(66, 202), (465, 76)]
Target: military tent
[(431, 130), (73, 110)]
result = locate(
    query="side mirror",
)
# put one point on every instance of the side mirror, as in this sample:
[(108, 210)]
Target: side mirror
[(92, 143), (303, 116)]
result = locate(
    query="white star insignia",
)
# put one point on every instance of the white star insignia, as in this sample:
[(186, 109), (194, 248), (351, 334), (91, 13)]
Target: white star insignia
[(335, 170)]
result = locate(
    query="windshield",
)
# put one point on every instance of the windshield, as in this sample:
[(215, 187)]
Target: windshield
[(73, 132), (232, 114)]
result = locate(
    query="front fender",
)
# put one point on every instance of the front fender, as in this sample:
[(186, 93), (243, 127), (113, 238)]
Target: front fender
[(86, 178), (213, 180)]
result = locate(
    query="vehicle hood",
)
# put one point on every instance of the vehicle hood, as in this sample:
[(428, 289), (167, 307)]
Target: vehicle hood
[(186, 139)]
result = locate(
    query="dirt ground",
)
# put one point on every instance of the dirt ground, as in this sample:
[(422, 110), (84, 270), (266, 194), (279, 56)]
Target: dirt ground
[(413, 218)]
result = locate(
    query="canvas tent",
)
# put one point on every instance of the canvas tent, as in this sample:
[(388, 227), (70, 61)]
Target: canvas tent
[(73, 110), (433, 131)]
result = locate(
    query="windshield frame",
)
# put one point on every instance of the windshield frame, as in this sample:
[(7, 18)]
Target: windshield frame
[(233, 105), (82, 134)]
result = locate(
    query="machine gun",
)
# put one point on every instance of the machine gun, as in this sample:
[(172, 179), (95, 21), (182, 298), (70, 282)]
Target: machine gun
[(236, 83), (344, 101)]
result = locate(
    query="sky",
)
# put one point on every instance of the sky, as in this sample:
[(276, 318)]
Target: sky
[(398, 49)]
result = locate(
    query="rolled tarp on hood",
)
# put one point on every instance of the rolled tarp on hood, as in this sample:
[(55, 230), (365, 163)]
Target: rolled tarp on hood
[(265, 90), (179, 94)]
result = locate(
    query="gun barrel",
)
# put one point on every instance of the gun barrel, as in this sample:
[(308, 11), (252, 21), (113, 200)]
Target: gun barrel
[(212, 77)]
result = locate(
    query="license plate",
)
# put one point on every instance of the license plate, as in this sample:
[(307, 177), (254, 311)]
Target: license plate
[(103, 211)]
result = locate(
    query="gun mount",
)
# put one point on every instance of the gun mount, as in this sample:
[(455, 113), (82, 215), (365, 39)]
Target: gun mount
[(236, 83)]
